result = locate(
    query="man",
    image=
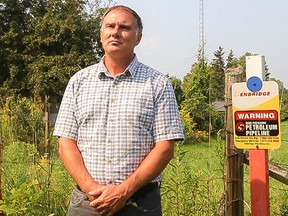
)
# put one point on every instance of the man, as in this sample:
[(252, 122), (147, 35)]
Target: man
[(117, 125)]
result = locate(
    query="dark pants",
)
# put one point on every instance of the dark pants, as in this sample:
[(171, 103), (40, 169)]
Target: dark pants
[(145, 202)]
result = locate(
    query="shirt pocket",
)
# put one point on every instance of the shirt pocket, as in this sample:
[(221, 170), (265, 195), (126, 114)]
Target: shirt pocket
[(138, 112)]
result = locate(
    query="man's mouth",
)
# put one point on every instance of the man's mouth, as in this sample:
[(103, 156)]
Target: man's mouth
[(115, 42)]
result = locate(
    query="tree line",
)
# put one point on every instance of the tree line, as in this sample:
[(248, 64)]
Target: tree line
[(44, 42), (204, 86)]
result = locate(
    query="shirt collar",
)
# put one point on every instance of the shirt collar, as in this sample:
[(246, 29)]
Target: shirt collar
[(131, 68)]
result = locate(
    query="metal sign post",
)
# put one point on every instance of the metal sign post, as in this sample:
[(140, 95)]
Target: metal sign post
[(259, 182), (257, 128)]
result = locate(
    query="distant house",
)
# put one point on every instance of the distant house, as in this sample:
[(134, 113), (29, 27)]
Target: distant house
[(219, 106), (53, 112)]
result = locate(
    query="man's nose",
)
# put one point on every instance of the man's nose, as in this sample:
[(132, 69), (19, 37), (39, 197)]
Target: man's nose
[(115, 31)]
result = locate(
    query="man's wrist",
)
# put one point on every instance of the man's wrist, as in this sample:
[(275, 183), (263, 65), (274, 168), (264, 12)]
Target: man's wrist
[(87, 187)]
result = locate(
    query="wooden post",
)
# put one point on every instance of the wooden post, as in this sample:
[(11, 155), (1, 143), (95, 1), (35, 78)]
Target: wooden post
[(234, 157)]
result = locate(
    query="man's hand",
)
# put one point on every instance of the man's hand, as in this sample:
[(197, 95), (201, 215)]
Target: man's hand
[(109, 199)]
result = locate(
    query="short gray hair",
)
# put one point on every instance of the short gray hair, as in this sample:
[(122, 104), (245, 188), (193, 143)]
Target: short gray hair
[(122, 7)]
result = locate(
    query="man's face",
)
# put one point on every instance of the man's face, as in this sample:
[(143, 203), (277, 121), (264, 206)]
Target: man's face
[(119, 33)]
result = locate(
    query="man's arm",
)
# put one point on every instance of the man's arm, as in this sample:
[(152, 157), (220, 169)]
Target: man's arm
[(151, 167), (112, 198), (73, 162)]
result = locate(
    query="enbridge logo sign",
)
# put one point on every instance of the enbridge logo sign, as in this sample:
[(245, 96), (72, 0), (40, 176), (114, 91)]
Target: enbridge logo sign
[(256, 116), (251, 94)]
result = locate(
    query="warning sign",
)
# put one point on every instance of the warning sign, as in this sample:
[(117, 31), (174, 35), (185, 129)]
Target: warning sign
[(256, 125)]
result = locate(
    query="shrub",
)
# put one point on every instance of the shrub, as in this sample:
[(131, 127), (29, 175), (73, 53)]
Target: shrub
[(33, 185)]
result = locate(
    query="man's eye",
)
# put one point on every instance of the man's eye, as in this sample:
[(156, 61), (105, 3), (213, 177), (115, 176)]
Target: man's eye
[(125, 27), (109, 26)]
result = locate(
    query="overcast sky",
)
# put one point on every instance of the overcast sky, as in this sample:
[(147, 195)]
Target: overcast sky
[(171, 32)]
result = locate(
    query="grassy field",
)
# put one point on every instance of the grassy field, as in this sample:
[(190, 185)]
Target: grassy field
[(206, 163), (193, 183)]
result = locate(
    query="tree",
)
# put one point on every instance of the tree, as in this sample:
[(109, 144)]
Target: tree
[(196, 94), (13, 28), (177, 86), (217, 76), (46, 42), (284, 104), (231, 61), (283, 97), (267, 73)]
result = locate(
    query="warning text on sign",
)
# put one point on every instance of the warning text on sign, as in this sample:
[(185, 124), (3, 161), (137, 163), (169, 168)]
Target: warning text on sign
[(256, 123)]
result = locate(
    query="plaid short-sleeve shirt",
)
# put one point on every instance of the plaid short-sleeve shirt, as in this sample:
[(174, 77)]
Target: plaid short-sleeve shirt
[(117, 121)]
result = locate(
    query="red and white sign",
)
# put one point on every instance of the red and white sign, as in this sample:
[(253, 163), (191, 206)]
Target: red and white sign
[(256, 116)]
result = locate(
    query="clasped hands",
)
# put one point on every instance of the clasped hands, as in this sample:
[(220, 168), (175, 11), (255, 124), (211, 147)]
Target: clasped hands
[(108, 199)]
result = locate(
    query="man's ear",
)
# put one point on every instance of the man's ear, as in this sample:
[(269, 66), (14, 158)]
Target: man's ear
[(101, 34), (139, 37)]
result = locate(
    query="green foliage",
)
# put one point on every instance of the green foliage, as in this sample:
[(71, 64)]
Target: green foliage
[(43, 43), (174, 189), (63, 41), (33, 185), (232, 62), (283, 97), (21, 120), (284, 106), (283, 92), (13, 28), (177, 86), (198, 109), (190, 188), (197, 81), (193, 182), (204, 85), (188, 125), (217, 76), (201, 87), (196, 93)]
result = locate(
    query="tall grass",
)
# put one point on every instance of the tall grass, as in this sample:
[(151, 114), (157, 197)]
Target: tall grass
[(33, 185), (193, 182)]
